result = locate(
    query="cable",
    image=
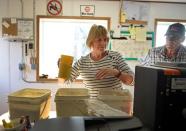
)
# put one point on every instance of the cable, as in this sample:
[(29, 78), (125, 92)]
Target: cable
[(9, 68), (34, 13), (22, 72), (21, 8)]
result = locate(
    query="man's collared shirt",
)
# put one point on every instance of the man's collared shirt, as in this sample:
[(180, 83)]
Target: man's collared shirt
[(159, 55)]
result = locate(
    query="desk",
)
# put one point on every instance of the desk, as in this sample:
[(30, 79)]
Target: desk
[(113, 124), (88, 124), (60, 124), (83, 123)]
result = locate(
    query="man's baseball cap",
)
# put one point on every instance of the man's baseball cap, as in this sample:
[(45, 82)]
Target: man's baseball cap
[(176, 29)]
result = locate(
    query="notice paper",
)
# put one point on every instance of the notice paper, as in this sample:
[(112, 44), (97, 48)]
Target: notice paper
[(141, 34)]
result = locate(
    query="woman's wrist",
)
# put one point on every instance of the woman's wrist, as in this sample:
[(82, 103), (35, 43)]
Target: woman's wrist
[(118, 74)]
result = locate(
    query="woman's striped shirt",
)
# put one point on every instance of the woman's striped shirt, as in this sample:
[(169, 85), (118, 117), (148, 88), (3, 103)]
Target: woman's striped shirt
[(87, 69)]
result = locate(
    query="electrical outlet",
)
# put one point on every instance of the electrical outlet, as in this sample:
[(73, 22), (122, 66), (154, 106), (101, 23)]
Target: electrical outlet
[(30, 45), (21, 66), (33, 66)]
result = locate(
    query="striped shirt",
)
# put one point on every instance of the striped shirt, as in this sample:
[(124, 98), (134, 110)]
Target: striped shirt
[(158, 55), (87, 69)]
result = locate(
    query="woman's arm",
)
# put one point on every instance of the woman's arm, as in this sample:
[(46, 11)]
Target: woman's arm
[(126, 78)]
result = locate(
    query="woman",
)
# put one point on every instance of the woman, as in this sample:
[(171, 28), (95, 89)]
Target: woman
[(101, 68)]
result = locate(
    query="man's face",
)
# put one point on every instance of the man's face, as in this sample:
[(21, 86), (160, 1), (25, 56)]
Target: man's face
[(173, 41)]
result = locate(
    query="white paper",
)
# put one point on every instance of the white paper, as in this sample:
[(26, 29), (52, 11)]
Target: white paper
[(13, 21), (25, 28), (5, 24)]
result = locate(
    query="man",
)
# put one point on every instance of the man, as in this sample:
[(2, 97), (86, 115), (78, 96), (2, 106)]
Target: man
[(172, 51)]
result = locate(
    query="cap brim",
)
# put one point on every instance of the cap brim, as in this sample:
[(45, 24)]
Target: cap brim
[(174, 33)]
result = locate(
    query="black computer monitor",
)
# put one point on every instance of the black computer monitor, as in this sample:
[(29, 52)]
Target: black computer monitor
[(160, 97)]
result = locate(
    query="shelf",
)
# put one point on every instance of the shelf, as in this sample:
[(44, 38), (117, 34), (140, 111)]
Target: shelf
[(16, 39), (137, 22)]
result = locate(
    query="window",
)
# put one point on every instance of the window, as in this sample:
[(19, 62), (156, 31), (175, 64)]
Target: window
[(161, 26), (58, 35)]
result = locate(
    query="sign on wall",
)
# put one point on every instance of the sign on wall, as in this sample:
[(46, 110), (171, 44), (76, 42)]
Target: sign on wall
[(87, 10), (54, 7)]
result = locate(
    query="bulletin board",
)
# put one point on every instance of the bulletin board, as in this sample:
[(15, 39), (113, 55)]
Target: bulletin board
[(136, 10), (17, 27), (131, 49)]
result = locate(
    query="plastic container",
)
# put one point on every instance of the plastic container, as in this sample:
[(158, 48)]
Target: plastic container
[(35, 103), (118, 99), (71, 102)]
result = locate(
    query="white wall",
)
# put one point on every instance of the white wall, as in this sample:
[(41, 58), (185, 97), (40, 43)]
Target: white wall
[(11, 52)]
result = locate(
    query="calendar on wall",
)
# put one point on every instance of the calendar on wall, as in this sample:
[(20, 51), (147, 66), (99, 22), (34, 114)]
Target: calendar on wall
[(132, 49)]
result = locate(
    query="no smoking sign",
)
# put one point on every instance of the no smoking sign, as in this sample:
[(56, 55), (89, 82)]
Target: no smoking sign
[(87, 10), (54, 7)]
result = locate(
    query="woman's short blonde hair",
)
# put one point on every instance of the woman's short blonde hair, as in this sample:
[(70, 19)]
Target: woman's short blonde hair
[(96, 31)]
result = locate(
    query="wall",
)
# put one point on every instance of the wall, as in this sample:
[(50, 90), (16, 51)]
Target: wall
[(11, 52)]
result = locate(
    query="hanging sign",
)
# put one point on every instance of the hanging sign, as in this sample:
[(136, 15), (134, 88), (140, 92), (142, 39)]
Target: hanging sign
[(87, 10), (54, 7)]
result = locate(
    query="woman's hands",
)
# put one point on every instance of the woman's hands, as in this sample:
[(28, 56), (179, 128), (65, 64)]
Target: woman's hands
[(126, 78), (104, 72)]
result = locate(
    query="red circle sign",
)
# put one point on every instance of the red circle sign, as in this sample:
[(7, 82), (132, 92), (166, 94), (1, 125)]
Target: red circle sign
[(54, 7), (87, 9)]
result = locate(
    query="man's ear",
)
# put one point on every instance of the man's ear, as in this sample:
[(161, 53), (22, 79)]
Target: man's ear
[(182, 39)]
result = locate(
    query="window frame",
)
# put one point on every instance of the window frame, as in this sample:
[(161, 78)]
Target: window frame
[(166, 21), (40, 17)]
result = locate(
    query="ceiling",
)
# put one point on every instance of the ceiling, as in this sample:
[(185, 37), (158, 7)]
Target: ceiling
[(163, 0), (159, 1)]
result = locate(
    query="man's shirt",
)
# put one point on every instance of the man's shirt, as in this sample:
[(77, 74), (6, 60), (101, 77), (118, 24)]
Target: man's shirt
[(158, 54)]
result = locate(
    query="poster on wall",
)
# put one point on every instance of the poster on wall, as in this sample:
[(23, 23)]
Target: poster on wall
[(87, 10), (54, 7), (25, 28), (131, 49)]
